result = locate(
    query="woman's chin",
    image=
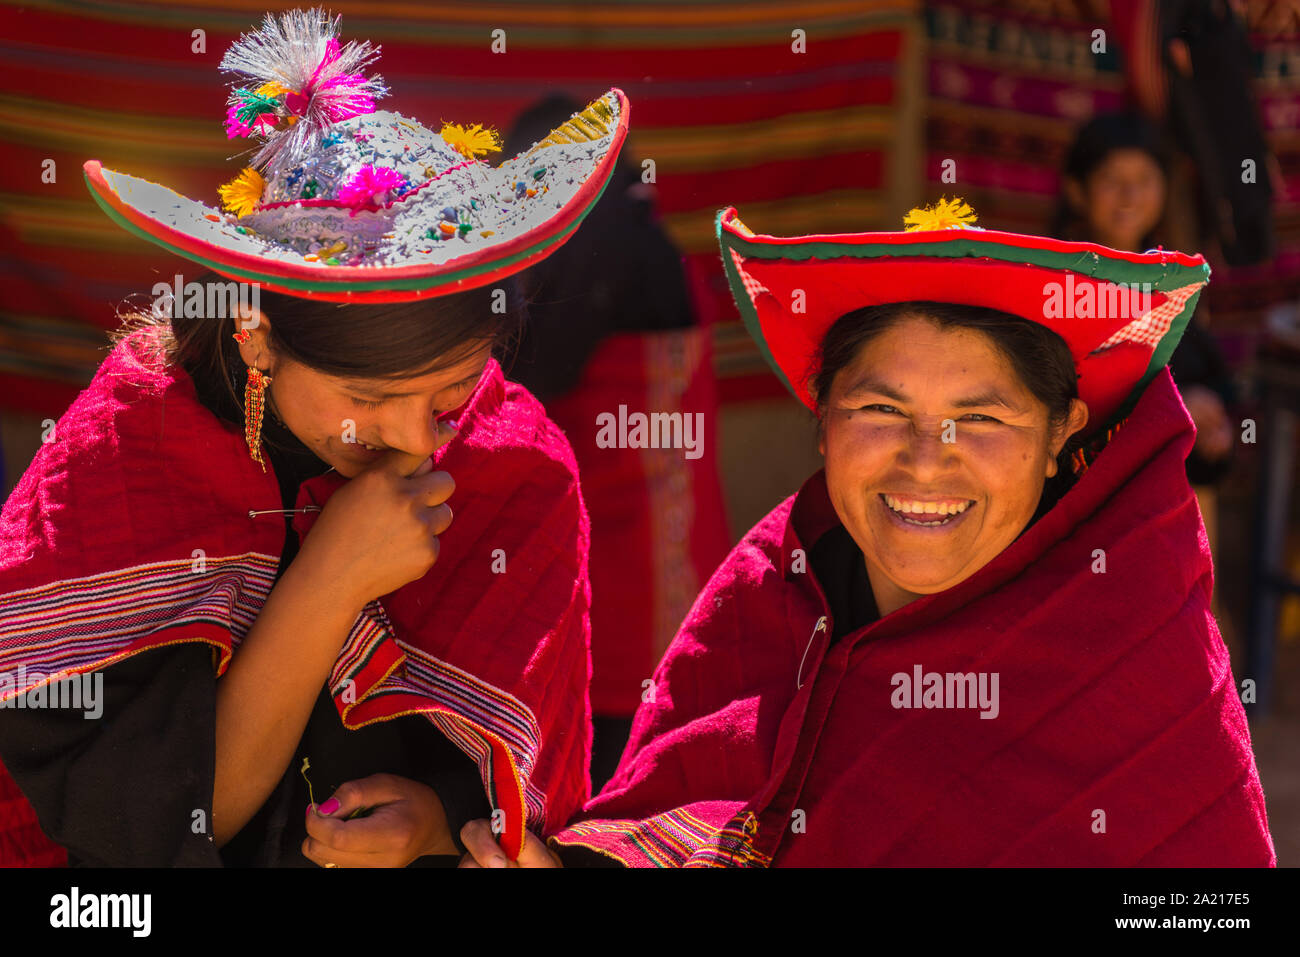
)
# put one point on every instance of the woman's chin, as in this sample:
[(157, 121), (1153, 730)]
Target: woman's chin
[(350, 460), (340, 463), (922, 580), (922, 568)]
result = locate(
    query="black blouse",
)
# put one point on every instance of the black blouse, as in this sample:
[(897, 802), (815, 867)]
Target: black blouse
[(134, 788), (839, 566)]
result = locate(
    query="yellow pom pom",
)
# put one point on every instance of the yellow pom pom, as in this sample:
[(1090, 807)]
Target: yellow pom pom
[(946, 214), (472, 142), (272, 89), (243, 193)]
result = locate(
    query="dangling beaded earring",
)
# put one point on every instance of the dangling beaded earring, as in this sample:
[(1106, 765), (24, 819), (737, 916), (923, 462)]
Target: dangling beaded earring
[(254, 405)]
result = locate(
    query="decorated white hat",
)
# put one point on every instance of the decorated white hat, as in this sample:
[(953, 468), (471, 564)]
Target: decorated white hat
[(346, 203)]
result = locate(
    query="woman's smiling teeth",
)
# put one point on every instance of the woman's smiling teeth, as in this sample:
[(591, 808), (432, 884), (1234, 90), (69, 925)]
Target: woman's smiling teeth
[(945, 513), (909, 506)]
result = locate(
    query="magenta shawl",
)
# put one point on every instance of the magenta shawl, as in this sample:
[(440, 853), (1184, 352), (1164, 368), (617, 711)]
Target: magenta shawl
[(1120, 739)]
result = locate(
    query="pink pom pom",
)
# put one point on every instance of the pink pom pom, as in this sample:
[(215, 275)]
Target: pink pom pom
[(370, 184)]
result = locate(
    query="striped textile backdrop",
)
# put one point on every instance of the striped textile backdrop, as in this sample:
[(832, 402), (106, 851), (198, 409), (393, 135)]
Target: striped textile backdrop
[(826, 139)]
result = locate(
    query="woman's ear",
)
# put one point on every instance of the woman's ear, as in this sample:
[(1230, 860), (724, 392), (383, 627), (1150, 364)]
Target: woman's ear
[(1076, 420), (256, 349)]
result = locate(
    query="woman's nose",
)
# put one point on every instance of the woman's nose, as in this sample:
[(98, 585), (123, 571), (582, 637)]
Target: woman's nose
[(417, 432), (1129, 192), (926, 451)]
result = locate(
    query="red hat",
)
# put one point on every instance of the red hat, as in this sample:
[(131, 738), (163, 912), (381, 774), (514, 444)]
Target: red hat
[(1121, 313)]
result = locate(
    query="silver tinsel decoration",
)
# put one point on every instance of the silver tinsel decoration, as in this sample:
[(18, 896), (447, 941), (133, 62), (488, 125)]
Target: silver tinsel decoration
[(288, 50)]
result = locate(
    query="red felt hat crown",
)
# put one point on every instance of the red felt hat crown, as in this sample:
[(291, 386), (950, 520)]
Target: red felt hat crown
[(1122, 314)]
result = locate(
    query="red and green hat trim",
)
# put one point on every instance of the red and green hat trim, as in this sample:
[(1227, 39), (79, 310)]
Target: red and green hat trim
[(391, 283), (791, 289)]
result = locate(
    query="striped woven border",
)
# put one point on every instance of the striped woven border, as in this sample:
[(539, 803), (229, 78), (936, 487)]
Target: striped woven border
[(366, 658), (81, 624), (675, 838), (494, 728), (733, 846), (69, 627)]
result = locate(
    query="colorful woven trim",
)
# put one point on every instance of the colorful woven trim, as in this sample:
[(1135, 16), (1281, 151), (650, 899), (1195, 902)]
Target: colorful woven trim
[(84, 624), (367, 657), (1087, 454), (483, 721), (733, 846), (492, 727), (74, 626), (675, 838)]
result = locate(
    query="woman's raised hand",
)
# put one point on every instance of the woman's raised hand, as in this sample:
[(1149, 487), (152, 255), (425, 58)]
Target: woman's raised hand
[(380, 530), (482, 850)]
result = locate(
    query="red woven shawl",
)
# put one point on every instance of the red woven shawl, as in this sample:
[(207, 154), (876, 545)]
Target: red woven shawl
[(131, 529), (1119, 738)]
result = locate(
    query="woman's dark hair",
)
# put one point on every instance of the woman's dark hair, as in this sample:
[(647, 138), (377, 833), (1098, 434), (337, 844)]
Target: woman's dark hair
[(1040, 358), (1095, 141), (361, 340)]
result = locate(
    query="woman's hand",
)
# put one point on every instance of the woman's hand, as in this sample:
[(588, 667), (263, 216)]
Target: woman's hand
[(1213, 429), (407, 821), (380, 530), (482, 849)]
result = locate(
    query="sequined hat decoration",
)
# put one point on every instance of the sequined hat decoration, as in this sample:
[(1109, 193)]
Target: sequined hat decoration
[(345, 202)]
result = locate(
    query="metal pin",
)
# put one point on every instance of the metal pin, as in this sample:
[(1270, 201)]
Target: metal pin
[(282, 511)]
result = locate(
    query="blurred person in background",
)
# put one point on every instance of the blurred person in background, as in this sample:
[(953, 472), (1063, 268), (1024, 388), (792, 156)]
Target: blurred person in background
[(1115, 191), (611, 324)]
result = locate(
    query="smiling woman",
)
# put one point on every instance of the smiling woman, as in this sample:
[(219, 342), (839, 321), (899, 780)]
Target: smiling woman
[(972, 445), (939, 651)]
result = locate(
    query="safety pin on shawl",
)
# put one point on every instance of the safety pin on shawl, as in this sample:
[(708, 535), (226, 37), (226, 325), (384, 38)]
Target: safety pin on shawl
[(282, 511), (253, 513)]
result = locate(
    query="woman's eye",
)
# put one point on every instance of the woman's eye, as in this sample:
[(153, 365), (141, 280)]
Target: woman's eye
[(458, 387), (464, 385), (889, 410)]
